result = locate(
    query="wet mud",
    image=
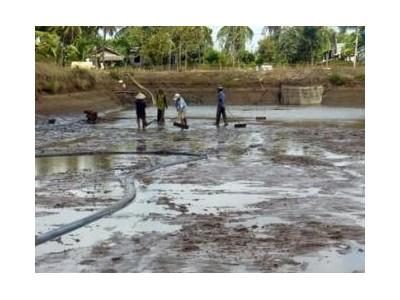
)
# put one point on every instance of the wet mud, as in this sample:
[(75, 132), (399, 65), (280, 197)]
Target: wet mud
[(285, 194)]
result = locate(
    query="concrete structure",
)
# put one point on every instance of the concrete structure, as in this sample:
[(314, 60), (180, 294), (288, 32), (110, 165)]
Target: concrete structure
[(83, 64), (301, 95)]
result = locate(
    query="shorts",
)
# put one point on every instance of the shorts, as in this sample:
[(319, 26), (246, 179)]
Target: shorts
[(181, 114)]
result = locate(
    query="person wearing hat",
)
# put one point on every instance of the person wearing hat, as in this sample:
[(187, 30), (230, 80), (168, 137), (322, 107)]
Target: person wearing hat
[(221, 106), (162, 105), (180, 105), (140, 109)]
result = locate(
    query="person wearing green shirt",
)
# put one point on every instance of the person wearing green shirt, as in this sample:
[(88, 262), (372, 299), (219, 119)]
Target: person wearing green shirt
[(162, 105)]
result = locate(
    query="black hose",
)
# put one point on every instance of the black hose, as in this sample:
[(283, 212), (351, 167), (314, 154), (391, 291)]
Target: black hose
[(50, 235), (86, 220), (85, 153)]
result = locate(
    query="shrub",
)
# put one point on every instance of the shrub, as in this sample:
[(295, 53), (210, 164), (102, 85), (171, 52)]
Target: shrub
[(337, 79), (51, 78), (360, 77), (114, 74)]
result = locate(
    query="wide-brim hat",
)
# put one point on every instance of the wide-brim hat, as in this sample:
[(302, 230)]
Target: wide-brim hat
[(140, 96)]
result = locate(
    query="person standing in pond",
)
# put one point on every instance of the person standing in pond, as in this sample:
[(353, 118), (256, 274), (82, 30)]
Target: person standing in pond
[(221, 106), (140, 109), (162, 105), (180, 105)]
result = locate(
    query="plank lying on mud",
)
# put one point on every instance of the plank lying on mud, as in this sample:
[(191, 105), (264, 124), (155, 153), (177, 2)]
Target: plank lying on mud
[(181, 125)]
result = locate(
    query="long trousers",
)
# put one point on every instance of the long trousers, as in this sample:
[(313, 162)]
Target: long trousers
[(221, 111), (160, 116)]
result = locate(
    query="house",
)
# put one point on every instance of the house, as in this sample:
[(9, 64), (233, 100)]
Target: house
[(111, 57), (361, 54), (134, 57), (334, 53)]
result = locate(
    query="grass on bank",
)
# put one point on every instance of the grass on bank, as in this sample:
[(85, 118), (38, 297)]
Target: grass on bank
[(53, 79)]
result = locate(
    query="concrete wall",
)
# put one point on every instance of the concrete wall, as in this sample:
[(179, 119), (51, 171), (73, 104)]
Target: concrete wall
[(341, 96), (301, 95)]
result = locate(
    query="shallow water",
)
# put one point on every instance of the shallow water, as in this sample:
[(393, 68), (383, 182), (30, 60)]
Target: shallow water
[(271, 112), (345, 258)]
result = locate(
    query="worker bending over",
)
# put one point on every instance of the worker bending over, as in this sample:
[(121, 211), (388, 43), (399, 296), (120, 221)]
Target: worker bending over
[(180, 105)]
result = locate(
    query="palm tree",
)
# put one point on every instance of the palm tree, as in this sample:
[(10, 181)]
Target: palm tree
[(205, 41), (90, 31), (272, 30), (233, 39), (110, 30), (68, 34)]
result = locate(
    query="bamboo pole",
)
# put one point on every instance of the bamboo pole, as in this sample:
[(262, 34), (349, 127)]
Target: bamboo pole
[(141, 87)]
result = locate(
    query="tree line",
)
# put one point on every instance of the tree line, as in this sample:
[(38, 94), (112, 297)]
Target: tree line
[(183, 46), (308, 44)]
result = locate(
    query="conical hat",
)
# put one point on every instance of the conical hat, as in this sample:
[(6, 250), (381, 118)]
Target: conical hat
[(140, 96)]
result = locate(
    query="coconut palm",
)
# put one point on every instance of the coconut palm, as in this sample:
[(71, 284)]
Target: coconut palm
[(68, 35), (272, 30), (110, 30), (233, 39)]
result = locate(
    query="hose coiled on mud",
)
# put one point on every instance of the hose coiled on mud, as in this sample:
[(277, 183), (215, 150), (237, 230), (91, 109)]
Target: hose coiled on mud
[(128, 185)]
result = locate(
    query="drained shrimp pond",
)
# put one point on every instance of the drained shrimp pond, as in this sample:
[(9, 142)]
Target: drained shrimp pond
[(285, 194)]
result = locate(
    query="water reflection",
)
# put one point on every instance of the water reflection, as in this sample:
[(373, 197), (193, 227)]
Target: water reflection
[(51, 165)]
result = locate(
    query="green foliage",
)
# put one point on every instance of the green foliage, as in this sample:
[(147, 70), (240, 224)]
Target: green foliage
[(212, 56), (246, 57), (267, 51), (337, 79), (224, 59), (300, 44), (46, 45), (157, 48), (86, 44), (233, 39), (71, 53), (289, 45), (182, 46), (350, 36)]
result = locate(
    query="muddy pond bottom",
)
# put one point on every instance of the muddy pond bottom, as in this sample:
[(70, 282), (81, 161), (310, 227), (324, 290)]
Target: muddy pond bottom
[(281, 195)]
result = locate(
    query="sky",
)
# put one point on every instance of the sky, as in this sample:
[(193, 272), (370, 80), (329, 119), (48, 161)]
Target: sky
[(250, 46)]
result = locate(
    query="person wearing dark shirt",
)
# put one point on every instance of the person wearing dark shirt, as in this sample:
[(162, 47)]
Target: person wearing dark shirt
[(221, 106), (140, 109)]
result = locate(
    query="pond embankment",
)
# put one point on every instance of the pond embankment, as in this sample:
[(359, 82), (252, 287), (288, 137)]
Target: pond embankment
[(62, 90)]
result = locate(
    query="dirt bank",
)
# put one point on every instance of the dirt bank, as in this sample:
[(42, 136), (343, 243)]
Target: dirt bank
[(206, 95), (61, 90), (101, 100), (344, 96), (98, 100)]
